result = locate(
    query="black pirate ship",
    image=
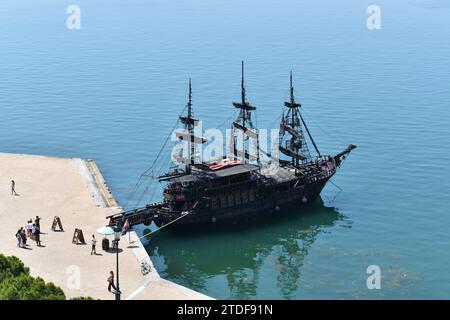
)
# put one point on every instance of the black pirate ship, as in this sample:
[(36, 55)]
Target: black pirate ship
[(238, 186)]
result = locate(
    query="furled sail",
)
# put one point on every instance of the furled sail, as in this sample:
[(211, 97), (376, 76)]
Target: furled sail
[(188, 121), (188, 137), (181, 159), (291, 153), (289, 129), (292, 105), (244, 106), (249, 132)]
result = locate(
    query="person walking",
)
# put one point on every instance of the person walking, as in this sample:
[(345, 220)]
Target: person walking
[(111, 282), (13, 188), (94, 243)]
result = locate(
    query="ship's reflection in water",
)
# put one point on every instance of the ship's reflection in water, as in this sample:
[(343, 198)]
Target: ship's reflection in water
[(232, 261)]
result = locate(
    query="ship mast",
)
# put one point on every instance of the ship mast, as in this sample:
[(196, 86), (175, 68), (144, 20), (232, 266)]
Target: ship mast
[(294, 145), (190, 123), (245, 125), (190, 126)]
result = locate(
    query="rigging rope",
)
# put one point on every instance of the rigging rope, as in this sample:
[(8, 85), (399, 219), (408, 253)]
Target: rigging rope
[(277, 120), (157, 166), (225, 121), (310, 136), (144, 174)]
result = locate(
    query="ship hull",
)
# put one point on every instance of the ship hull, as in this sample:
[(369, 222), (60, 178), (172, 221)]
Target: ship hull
[(274, 204)]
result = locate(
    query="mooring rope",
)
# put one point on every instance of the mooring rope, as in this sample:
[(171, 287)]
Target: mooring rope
[(151, 232)]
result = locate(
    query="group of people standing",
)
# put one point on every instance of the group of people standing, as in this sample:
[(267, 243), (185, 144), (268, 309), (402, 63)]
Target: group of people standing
[(31, 230)]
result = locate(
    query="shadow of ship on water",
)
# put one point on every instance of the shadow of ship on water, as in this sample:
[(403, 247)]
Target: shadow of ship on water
[(238, 251)]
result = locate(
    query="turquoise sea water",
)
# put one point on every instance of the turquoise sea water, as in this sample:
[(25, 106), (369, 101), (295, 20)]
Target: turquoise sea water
[(112, 91)]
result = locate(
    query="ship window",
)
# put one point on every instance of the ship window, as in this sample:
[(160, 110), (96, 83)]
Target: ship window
[(244, 197), (251, 195), (223, 202), (230, 200), (237, 198)]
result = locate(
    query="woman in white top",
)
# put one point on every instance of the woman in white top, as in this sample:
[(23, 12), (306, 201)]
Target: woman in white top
[(93, 242)]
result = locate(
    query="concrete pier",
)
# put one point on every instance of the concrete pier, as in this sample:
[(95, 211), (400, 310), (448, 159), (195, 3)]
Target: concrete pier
[(74, 190)]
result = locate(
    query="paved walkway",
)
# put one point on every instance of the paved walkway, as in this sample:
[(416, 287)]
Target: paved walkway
[(69, 188)]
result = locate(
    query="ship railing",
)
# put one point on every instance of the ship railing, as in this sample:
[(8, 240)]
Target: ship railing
[(321, 175), (136, 216), (321, 158)]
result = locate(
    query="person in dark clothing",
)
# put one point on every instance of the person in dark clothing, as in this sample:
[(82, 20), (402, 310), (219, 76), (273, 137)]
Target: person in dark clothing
[(37, 236), (24, 238), (111, 282), (13, 188), (37, 222)]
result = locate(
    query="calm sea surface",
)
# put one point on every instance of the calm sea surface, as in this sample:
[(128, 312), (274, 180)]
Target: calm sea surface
[(113, 90)]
